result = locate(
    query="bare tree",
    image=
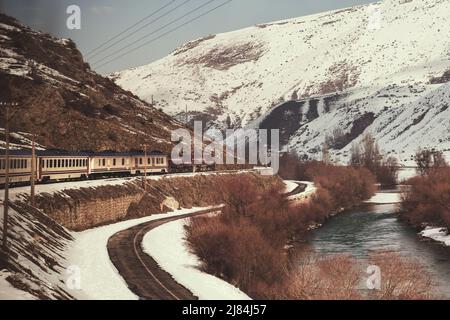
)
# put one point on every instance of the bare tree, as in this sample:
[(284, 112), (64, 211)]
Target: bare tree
[(427, 160)]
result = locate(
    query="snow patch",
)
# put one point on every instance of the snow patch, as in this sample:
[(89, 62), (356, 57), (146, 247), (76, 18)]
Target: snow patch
[(385, 198), (167, 245), (437, 234)]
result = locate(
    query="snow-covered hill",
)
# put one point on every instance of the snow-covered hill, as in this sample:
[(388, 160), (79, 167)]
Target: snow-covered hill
[(65, 103), (382, 68)]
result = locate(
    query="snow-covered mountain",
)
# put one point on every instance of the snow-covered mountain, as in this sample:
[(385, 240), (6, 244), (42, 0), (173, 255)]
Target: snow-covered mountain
[(382, 68)]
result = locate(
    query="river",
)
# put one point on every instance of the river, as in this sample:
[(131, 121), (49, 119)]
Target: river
[(376, 227)]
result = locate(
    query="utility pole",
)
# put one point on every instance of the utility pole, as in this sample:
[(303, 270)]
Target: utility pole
[(33, 170), (144, 181), (7, 106)]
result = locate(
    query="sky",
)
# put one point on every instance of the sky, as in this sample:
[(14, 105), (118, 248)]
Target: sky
[(100, 20)]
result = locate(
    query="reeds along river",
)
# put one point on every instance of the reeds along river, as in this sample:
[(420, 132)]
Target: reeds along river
[(373, 227)]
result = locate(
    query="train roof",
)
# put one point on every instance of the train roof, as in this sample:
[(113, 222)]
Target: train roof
[(21, 152), (63, 153)]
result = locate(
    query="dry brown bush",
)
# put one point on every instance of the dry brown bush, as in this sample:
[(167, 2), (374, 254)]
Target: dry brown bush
[(325, 278), (402, 278), (428, 199)]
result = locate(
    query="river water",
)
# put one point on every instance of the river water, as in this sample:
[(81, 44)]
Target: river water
[(376, 227)]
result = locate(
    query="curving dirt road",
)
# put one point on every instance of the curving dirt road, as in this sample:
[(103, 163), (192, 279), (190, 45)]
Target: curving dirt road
[(141, 272)]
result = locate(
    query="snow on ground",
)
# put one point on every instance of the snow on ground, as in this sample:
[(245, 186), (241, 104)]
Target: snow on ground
[(310, 187), (385, 198), (290, 186), (309, 190), (8, 292), (14, 193), (100, 280), (167, 245), (406, 173), (437, 234)]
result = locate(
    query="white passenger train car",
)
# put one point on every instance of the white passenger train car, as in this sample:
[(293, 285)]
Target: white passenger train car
[(62, 165), (19, 166), (153, 162), (110, 163), (55, 165)]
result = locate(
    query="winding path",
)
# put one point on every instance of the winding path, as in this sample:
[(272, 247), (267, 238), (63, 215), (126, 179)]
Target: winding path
[(141, 272)]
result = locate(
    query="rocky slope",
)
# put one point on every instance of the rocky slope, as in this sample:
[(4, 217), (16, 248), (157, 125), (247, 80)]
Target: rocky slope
[(382, 68), (65, 103)]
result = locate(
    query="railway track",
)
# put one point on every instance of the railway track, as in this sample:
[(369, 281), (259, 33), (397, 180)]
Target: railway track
[(141, 272)]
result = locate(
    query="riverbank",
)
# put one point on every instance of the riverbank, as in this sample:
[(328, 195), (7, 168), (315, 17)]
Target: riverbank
[(426, 205), (246, 244), (376, 227)]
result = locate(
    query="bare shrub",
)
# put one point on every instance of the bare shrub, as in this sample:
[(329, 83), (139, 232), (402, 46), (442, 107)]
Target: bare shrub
[(428, 199), (327, 278), (429, 160), (402, 278)]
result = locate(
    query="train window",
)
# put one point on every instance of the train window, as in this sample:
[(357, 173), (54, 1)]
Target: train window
[(104, 162), (2, 164), (114, 162), (140, 161), (123, 161), (25, 164)]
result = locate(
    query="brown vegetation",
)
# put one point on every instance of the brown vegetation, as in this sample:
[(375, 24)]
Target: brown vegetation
[(427, 202), (402, 278), (246, 244), (367, 154)]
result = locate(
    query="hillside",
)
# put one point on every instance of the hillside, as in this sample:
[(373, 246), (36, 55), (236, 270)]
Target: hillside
[(335, 74), (65, 103)]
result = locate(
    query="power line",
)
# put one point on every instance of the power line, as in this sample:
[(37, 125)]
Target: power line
[(155, 31), (140, 28), (131, 27), (164, 34)]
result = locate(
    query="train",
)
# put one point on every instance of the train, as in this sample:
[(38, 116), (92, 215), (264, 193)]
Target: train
[(58, 165)]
